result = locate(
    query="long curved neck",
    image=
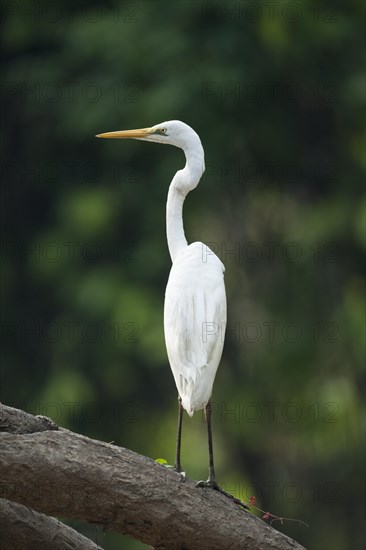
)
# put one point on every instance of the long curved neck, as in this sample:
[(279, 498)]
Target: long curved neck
[(184, 181), (174, 221)]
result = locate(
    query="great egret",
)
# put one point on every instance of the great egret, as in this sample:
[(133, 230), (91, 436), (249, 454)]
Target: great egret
[(195, 300)]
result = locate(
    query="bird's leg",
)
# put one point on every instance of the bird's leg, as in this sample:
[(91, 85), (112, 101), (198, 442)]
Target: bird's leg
[(211, 482), (211, 477), (177, 465)]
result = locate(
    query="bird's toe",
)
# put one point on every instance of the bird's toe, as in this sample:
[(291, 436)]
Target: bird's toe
[(209, 483)]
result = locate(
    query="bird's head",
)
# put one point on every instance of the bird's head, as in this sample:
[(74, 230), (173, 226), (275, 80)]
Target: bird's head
[(172, 132)]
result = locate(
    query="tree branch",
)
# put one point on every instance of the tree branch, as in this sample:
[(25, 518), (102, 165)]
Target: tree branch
[(68, 475), (23, 528)]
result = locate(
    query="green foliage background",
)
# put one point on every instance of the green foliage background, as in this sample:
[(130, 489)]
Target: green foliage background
[(276, 91)]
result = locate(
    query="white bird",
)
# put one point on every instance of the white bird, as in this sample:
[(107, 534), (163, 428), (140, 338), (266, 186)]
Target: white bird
[(195, 300)]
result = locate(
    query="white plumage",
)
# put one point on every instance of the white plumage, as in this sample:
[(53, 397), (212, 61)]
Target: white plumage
[(194, 318)]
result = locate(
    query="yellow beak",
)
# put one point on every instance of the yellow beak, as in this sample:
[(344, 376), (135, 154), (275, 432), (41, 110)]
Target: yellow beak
[(122, 134)]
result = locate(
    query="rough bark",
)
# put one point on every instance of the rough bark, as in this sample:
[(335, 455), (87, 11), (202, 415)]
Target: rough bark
[(23, 528), (64, 474)]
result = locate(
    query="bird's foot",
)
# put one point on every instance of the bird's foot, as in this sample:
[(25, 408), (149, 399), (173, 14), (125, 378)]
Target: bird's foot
[(212, 483), (182, 474)]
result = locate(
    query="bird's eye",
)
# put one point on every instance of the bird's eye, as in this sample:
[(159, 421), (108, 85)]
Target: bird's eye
[(163, 130)]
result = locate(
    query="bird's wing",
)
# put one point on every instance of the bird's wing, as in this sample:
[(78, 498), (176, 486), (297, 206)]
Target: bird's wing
[(194, 323)]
